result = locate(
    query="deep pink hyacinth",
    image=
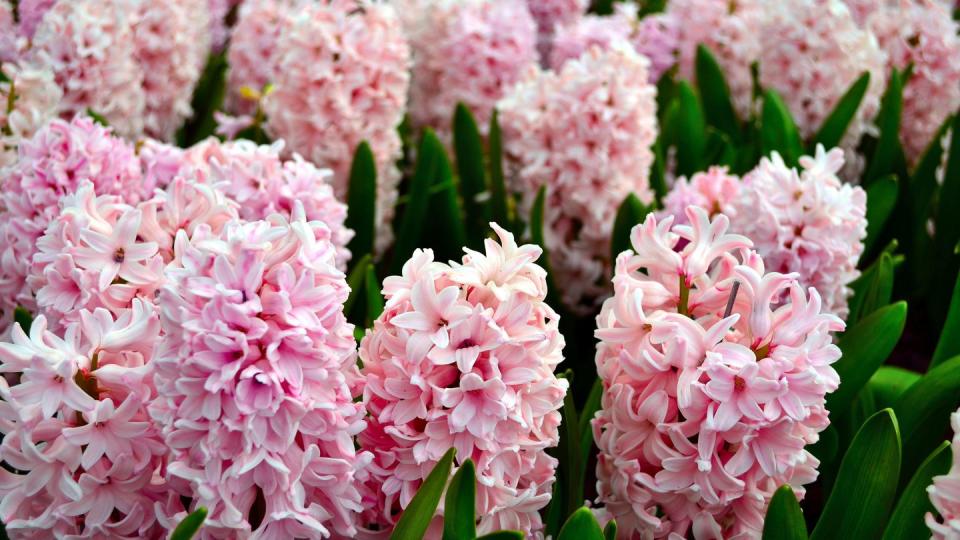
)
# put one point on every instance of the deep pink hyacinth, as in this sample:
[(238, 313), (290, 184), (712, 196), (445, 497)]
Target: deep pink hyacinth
[(253, 44), (495, 44), (76, 429), (811, 52), (584, 133), (807, 221), (342, 78), (706, 408), (90, 47), (51, 164), (256, 378), (463, 356), (922, 35), (729, 30), (945, 493), (654, 36), (172, 42)]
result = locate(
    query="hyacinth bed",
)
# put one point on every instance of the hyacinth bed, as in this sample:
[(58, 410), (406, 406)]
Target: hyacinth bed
[(458, 269)]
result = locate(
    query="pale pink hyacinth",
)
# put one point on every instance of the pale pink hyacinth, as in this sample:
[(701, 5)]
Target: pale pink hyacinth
[(30, 13), (494, 43), (807, 221), (811, 52), (253, 45), (90, 47), (922, 35), (342, 78), (76, 429), (256, 378), (945, 493), (712, 190), (584, 133), (463, 356), (706, 413), (8, 33), (654, 36), (730, 31), (172, 42), (35, 101), (51, 164)]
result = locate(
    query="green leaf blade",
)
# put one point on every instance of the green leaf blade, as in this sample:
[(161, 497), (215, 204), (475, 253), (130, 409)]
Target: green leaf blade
[(416, 517), (630, 213), (949, 344), (459, 514), (836, 124), (362, 201), (499, 208), (715, 94), (784, 520), (581, 526), (190, 525), (690, 131), (888, 120), (925, 408), (778, 132), (906, 522), (881, 200), (412, 223)]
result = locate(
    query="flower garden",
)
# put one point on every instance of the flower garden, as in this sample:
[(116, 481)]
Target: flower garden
[(463, 269)]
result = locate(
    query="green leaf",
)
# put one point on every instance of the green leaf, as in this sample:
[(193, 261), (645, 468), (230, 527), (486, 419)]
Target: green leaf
[(888, 120), (372, 294), (866, 485), (835, 125), (691, 131), (630, 213), (873, 289), (536, 235), (784, 519), (778, 132), (658, 180), (187, 528), (418, 514), (207, 99), (449, 233), (573, 465), (947, 230), (356, 279), (97, 117), (719, 150), (865, 347), (949, 344), (916, 208), (503, 535), (459, 514), (610, 531), (907, 522), (362, 201), (715, 94), (23, 318), (499, 208), (590, 409), (412, 223), (881, 199), (468, 148), (581, 526), (925, 408), (889, 383)]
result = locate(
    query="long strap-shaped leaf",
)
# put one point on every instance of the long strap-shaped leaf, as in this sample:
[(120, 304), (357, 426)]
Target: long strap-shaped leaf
[(866, 486), (459, 514), (715, 94), (835, 126), (778, 132), (949, 344), (418, 514), (362, 202), (784, 519), (468, 148), (411, 226), (925, 411), (906, 522), (581, 526)]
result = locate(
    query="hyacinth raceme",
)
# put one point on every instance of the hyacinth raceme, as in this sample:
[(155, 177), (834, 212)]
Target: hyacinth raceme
[(585, 133), (90, 47), (706, 408), (256, 380), (36, 97), (172, 41), (922, 35), (945, 493), (729, 29), (253, 43), (712, 190), (342, 78), (808, 222), (463, 356), (51, 164), (811, 52), (76, 429), (494, 43), (654, 36)]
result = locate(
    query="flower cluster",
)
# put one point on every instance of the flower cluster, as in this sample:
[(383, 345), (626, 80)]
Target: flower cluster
[(584, 133), (807, 222), (710, 395), (712, 190), (811, 52), (51, 164), (494, 43), (76, 429), (463, 356), (945, 493), (729, 30), (256, 379), (34, 102), (342, 78), (654, 36), (921, 35)]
